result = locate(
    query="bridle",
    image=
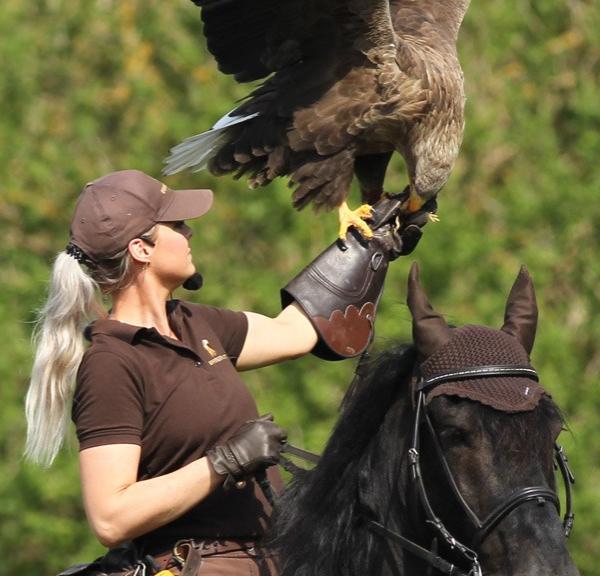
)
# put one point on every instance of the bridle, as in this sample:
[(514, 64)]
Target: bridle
[(538, 494), (482, 528)]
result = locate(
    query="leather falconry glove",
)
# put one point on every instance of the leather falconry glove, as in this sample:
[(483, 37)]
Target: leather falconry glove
[(254, 447), (340, 289)]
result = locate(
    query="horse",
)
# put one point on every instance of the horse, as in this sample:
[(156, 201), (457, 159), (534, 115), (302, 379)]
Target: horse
[(442, 460)]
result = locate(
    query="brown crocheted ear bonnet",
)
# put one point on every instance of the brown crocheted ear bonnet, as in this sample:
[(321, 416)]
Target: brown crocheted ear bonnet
[(463, 350)]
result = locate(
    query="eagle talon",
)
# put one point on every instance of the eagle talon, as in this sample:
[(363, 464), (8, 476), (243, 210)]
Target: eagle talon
[(355, 218)]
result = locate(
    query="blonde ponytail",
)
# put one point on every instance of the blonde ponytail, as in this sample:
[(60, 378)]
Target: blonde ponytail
[(73, 300)]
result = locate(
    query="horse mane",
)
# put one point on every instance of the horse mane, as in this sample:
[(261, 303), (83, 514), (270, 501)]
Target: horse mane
[(314, 525)]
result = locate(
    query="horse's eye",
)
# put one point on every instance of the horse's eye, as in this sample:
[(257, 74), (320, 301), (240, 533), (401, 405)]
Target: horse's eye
[(453, 436)]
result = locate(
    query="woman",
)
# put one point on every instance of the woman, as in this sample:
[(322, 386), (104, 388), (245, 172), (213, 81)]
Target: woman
[(168, 432)]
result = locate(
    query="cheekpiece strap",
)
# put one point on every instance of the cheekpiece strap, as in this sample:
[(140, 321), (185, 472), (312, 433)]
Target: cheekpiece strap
[(76, 252), (477, 372)]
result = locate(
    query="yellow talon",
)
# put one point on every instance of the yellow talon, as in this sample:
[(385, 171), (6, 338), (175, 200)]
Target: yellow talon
[(355, 218), (433, 217)]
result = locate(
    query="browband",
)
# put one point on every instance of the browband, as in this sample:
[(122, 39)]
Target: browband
[(478, 372)]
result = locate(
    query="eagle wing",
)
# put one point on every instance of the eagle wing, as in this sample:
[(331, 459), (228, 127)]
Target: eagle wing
[(251, 40), (306, 46), (340, 82), (333, 86)]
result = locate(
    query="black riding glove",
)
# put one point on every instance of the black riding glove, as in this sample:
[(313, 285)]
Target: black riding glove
[(254, 447)]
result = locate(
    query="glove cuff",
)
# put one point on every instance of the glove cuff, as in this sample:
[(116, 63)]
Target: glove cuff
[(339, 292), (224, 462)]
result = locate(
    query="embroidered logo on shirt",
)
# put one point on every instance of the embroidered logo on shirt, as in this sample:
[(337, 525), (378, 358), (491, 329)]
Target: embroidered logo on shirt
[(217, 359), (208, 348), (213, 353)]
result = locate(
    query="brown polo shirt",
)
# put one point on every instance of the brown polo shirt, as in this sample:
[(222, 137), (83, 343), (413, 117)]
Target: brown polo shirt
[(176, 399)]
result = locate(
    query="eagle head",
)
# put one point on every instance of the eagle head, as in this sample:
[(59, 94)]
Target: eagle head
[(428, 178)]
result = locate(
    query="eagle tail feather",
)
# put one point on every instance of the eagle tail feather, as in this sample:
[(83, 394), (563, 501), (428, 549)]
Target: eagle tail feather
[(197, 151)]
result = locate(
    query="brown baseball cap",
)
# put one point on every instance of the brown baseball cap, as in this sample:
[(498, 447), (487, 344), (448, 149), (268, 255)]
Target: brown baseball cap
[(116, 208)]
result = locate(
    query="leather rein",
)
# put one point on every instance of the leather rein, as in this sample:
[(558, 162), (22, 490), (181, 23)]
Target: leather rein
[(538, 494)]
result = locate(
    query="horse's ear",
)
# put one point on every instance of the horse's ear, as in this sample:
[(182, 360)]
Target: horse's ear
[(430, 330), (520, 317)]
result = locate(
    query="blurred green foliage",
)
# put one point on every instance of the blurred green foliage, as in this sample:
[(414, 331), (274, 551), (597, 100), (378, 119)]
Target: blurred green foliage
[(98, 85)]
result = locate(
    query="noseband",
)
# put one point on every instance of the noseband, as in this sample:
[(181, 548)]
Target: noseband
[(538, 494)]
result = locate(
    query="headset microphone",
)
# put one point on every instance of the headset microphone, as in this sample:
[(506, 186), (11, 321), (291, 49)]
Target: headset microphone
[(194, 282)]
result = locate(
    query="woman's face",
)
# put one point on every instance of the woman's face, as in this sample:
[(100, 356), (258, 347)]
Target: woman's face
[(171, 259)]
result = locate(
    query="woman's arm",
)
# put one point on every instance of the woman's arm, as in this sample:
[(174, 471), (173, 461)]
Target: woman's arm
[(120, 508), (271, 340)]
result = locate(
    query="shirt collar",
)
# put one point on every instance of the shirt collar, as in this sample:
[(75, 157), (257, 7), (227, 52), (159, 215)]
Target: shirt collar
[(128, 332), (121, 330)]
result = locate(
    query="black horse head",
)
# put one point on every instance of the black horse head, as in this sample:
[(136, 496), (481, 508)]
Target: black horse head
[(471, 451)]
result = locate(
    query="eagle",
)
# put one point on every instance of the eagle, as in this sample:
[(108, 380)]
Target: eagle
[(345, 84)]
